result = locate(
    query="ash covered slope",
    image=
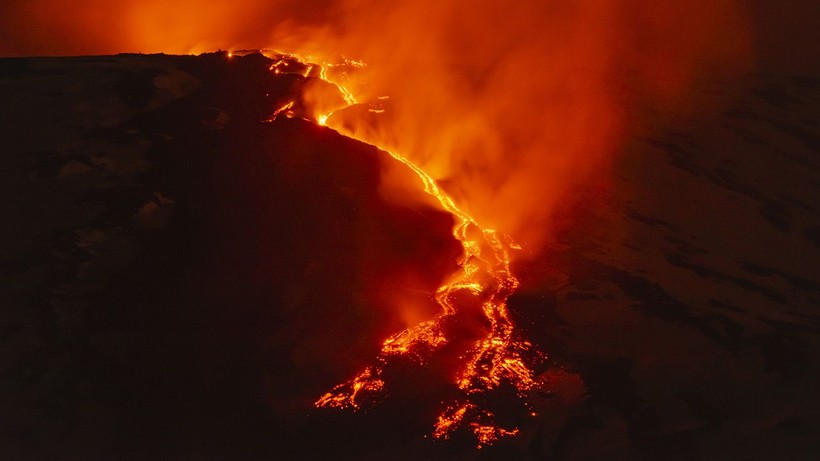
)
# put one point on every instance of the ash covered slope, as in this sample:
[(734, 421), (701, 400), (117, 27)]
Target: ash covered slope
[(181, 280)]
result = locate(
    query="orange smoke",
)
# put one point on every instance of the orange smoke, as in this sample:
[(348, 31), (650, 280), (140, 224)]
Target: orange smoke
[(86, 27), (509, 105), (498, 109), (506, 104)]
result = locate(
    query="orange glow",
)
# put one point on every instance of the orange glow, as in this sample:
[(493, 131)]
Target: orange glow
[(350, 394), (510, 106), (449, 419), (485, 273), (499, 113), (285, 109), (499, 109), (485, 434), (566, 139)]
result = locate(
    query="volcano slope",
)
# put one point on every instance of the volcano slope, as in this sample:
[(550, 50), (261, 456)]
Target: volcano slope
[(182, 280)]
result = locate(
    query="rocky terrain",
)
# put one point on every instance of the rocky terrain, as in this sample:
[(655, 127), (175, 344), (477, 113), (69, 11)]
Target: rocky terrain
[(180, 279)]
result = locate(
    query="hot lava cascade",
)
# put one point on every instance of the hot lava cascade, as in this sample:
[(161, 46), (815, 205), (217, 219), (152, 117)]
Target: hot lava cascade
[(484, 277)]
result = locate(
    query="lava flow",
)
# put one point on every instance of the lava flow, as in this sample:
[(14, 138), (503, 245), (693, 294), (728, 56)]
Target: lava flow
[(484, 275)]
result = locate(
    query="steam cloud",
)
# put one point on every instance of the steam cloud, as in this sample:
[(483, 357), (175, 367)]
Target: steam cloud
[(510, 104), (507, 103)]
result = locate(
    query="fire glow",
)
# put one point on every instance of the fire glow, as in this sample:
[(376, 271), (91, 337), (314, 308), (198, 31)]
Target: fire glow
[(500, 112), (484, 275), (500, 109)]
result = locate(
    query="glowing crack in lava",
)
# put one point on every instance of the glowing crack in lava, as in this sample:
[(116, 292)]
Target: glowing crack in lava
[(484, 275)]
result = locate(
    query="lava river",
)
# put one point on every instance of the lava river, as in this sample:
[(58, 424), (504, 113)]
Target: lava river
[(484, 279)]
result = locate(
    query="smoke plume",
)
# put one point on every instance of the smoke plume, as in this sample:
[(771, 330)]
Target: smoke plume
[(507, 104)]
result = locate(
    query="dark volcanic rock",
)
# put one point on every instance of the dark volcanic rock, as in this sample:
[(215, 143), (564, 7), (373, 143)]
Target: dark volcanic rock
[(181, 278)]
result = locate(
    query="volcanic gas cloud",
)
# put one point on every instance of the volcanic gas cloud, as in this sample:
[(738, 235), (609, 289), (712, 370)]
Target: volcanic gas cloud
[(505, 104), (499, 108)]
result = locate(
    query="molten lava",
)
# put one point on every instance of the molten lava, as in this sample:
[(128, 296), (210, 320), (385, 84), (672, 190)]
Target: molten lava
[(484, 275)]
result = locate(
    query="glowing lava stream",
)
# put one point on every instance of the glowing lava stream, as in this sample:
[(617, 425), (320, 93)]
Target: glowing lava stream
[(484, 275)]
